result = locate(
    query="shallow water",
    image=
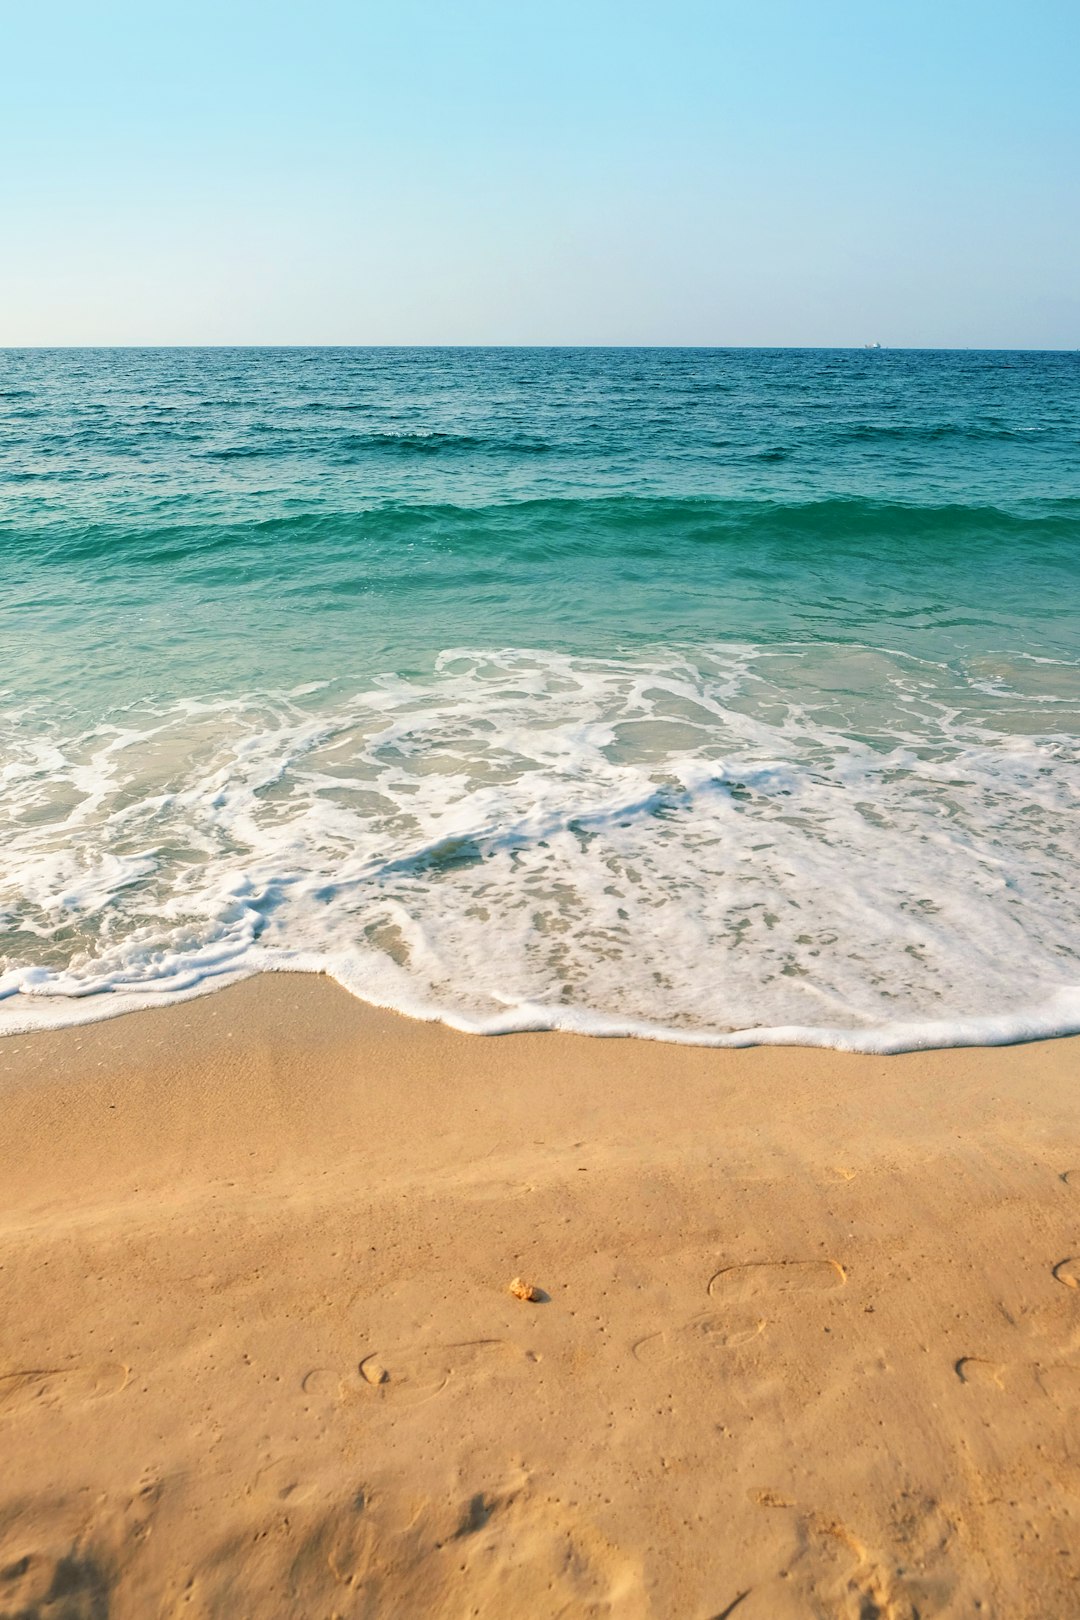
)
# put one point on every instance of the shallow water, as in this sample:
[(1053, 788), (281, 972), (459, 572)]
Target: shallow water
[(719, 695)]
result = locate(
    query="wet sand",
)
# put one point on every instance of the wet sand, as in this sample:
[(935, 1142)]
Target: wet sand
[(810, 1345)]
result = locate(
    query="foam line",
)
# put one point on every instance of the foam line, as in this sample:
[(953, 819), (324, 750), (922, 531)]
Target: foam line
[(709, 847)]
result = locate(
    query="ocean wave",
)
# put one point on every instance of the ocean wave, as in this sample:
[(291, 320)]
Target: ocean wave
[(570, 523), (686, 846)]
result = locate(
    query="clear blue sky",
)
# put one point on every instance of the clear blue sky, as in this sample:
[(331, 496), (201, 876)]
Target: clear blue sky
[(571, 171)]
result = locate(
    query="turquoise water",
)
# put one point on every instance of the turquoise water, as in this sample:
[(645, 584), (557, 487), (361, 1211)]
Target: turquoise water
[(713, 694)]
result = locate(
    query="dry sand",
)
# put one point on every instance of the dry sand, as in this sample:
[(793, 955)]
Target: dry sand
[(811, 1345)]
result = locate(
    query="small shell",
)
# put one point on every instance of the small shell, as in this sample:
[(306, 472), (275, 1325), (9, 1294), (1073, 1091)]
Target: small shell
[(524, 1290), (373, 1370)]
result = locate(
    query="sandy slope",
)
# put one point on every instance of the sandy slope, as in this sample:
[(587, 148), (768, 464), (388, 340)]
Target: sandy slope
[(812, 1345)]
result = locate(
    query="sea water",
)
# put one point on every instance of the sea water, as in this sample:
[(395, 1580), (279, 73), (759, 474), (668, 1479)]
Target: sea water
[(715, 695)]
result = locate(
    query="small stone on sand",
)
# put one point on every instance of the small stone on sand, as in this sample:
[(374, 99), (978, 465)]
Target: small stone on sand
[(524, 1290), (374, 1371)]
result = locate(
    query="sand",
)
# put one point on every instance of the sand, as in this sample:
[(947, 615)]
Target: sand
[(808, 1342)]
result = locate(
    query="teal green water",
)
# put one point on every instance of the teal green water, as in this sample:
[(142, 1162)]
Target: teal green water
[(719, 695)]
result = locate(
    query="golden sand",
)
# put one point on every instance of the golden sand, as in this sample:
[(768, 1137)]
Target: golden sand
[(807, 1341)]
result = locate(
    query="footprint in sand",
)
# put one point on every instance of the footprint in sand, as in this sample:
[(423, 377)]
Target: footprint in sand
[(766, 1279), (976, 1370), (1060, 1381), (38, 1389), (1068, 1272), (754, 1284), (322, 1384), (418, 1373), (703, 1335)]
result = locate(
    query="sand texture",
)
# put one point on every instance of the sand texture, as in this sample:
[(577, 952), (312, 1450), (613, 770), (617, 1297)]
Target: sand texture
[(807, 1340)]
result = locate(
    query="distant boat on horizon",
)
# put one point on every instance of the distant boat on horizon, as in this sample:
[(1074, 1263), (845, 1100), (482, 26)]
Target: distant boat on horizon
[(871, 345)]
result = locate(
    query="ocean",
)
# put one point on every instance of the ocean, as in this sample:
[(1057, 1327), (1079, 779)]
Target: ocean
[(721, 696)]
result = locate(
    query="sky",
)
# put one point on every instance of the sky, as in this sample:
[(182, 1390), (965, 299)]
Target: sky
[(812, 172)]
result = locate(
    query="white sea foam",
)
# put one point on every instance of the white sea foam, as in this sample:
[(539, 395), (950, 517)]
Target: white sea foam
[(837, 846)]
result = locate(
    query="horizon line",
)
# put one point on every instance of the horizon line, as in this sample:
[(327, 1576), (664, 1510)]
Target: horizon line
[(803, 348)]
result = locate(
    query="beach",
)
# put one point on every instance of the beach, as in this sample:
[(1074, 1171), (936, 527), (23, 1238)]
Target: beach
[(590, 824), (808, 1340), (540, 813)]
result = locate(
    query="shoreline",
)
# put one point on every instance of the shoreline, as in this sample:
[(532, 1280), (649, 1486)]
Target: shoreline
[(811, 1343), (1055, 1018)]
